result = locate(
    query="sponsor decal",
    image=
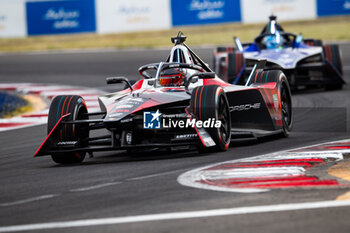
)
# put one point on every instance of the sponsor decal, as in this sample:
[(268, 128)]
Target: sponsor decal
[(259, 10), (133, 10), (275, 101), (286, 58), (115, 115), (63, 18), (132, 15), (155, 120), (186, 136), (208, 9), (245, 107), (123, 110), (179, 115), (151, 120), (52, 17), (124, 106), (12, 19), (128, 138), (134, 101), (126, 120), (67, 143), (185, 12), (333, 7), (209, 123), (347, 5)]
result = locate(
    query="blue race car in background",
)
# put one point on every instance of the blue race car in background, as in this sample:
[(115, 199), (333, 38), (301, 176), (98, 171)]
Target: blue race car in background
[(306, 62)]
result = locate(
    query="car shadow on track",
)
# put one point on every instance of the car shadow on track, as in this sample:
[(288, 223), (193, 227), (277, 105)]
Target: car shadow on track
[(124, 157)]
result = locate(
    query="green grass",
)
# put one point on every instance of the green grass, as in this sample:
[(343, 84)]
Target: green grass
[(328, 29)]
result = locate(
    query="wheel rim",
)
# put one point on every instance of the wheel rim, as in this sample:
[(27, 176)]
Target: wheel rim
[(286, 108), (224, 117)]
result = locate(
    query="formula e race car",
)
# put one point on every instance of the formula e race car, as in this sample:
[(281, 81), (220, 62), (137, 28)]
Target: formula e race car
[(179, 103), (306, 62)]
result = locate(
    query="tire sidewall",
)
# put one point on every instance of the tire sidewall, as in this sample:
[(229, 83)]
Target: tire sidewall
[(283, 84), (211, 109), (62, 105)]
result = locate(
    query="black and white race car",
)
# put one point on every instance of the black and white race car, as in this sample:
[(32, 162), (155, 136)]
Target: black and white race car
[(306, 62), (178, 103)]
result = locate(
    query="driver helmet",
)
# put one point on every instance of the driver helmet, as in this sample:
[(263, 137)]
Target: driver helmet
[(172, 78), (273, 41)]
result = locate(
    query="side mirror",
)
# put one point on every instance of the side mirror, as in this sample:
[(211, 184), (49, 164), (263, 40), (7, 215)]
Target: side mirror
[(121, 79), (194, 78)]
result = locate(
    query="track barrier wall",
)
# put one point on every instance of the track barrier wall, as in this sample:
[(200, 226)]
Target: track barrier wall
[(132, 15), (194, 12), (21, 18), (59, 17)]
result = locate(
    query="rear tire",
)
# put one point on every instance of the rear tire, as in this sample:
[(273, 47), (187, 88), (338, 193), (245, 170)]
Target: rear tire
[(235, 64), (263, 77), (210, 102), (287, 110), (221, 49), (313, 42), (62, 105), (332, 55), (220, 61), (279, 77)]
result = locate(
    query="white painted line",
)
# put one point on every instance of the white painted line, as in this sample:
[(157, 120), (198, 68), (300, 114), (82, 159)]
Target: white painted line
[(94, 187), (252, 172), (189, 179), (337, 155), (29, 200), (81, 92), (22, 120), (176, 215), (3, 129), (42, 88), (155, 175)]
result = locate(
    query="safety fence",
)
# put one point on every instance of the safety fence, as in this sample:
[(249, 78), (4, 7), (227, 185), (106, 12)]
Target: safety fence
[(21, 18)]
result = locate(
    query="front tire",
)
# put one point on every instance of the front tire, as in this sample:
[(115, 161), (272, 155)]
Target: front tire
[(210, 102), (62, 105)]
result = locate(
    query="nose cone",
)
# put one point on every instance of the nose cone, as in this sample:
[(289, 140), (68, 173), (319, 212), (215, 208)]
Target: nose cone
[(124, 107)]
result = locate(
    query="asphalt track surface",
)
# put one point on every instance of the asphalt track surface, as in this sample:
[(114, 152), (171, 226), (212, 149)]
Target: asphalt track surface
[(113, 184)]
